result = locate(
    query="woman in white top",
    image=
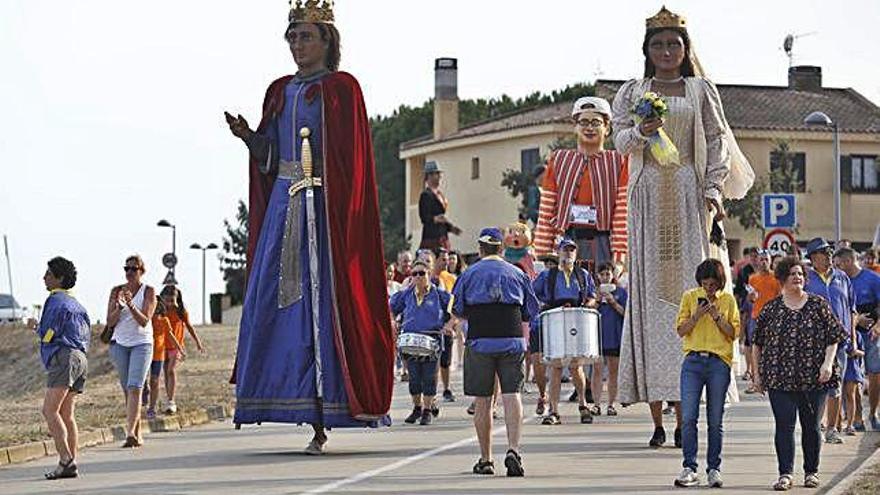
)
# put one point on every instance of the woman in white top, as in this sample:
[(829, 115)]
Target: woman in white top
[(129, 312)]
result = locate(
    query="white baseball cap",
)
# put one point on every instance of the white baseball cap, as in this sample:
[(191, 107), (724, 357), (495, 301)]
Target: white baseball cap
[(591, 104)]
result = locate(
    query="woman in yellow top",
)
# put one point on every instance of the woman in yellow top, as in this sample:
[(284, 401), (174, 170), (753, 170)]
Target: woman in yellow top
[(708, 322)]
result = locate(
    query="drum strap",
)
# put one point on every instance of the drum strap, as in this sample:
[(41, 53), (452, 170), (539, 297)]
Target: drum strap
[(578, 275), (494, 321)]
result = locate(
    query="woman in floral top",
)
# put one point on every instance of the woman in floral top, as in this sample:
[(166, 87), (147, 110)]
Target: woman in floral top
[(794, 345)]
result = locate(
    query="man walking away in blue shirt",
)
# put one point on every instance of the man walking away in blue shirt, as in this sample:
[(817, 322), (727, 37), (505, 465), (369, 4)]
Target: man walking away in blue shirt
[(495, 298)]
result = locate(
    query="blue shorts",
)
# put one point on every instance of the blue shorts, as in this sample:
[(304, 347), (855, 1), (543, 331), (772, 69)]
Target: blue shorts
[(872, 353), (156, 368), (132, 364)]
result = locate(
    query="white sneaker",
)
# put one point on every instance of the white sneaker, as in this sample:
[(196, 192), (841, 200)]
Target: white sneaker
[(314, 448), (687, 478), (832, 436), (714, 479), (171, 408)]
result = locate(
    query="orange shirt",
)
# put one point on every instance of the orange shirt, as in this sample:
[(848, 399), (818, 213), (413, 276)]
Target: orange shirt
[(178, 324), (584, 194), (161, 328), (767, 288)]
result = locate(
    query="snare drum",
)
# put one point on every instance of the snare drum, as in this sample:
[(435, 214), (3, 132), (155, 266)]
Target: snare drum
[(418, 345), (568, 333)]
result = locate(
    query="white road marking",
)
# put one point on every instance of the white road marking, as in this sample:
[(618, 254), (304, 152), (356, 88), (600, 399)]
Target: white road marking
[(397, 465)]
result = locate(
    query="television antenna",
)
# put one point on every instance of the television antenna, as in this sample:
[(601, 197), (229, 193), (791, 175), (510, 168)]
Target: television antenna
[(788, 44), (598, 72)]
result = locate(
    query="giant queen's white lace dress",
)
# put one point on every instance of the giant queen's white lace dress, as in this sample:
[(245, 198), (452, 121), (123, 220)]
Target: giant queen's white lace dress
[(668, 227)]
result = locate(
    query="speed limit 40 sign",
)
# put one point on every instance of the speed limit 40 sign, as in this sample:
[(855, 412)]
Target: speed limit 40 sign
[(779, 241)]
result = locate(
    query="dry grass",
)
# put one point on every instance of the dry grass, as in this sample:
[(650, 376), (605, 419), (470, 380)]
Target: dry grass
[(202, 381), (868, 482)]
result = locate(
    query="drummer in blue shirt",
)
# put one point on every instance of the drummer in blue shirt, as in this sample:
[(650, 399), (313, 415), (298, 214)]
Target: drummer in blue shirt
[(834, 286), (424, 308), (566, 286), (495, 298)]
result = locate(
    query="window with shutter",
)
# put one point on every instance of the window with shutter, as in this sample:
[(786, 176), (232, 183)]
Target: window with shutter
[(528, 159), (860, 174), (788, 172)]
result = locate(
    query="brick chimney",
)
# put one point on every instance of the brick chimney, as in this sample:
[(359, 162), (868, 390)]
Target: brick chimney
[(805, 78), (445, 97)]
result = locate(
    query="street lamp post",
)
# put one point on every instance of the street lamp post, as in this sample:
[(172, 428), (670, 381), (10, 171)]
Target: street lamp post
[(204, 251), (166, 223), (817, 119)]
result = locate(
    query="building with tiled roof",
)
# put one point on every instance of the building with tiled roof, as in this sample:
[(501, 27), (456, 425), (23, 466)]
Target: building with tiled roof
[(475, 157)]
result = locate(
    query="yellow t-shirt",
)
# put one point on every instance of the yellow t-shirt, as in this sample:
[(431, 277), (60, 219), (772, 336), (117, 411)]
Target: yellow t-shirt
[(447, 281), (706, 336)]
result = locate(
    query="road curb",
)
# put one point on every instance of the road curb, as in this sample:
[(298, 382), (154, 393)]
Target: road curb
[(850, 479), (17, 454)]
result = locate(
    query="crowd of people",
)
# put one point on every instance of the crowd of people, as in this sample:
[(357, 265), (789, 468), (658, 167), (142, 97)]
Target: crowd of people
[(633, 237), (145, 334)]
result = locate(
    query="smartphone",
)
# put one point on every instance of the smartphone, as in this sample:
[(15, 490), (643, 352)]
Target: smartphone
[(702, 301)]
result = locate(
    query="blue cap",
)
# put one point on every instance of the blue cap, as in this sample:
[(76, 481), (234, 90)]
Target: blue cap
[(816, 245), (565, 243), (491, 235)]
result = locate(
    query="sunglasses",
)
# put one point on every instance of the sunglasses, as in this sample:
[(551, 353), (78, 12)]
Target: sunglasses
[(418, 274), (131, 268)]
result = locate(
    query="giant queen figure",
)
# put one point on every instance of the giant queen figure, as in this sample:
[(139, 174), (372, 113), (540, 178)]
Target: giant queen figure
[(315, 344)]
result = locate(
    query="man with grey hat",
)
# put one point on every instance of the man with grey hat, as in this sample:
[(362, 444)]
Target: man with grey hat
[(583, 193), (432, 211), (495, 298), (834, 286)]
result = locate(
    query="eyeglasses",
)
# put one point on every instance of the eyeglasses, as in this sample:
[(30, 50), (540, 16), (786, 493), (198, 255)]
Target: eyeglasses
[(594, 123), (672, 46), (418, 274), (130, 268)]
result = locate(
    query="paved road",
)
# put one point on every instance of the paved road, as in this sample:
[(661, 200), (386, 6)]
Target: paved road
[(610, 456)]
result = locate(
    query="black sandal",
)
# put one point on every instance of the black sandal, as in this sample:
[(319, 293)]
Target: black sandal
[(513, 462), (64, 470), (131, 443), (586, 416), (484, 467), (551, 419)]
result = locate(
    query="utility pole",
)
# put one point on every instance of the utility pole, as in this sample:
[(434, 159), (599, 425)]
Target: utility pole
[(9, 272)]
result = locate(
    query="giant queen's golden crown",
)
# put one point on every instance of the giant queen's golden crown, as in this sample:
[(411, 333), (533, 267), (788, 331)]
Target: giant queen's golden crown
[(666, 19), (312, 11)]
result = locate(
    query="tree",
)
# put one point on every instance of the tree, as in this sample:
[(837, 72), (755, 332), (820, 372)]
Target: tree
[(233, 261), (783, 177)]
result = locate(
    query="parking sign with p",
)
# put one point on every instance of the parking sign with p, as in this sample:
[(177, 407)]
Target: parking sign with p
[(779, 210)]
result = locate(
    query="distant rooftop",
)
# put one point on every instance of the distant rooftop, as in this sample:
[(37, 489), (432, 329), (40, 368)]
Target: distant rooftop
[(747, 107)]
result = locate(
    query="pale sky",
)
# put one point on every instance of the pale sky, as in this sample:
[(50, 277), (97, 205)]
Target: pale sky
[(113, 109)]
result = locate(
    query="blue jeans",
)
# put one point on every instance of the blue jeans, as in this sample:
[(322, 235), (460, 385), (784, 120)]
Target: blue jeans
[(787, 407), (132, 364), (713, 374), (422, 377)]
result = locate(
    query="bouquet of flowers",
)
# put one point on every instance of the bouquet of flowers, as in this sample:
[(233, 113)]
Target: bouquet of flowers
[(651, 106)]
